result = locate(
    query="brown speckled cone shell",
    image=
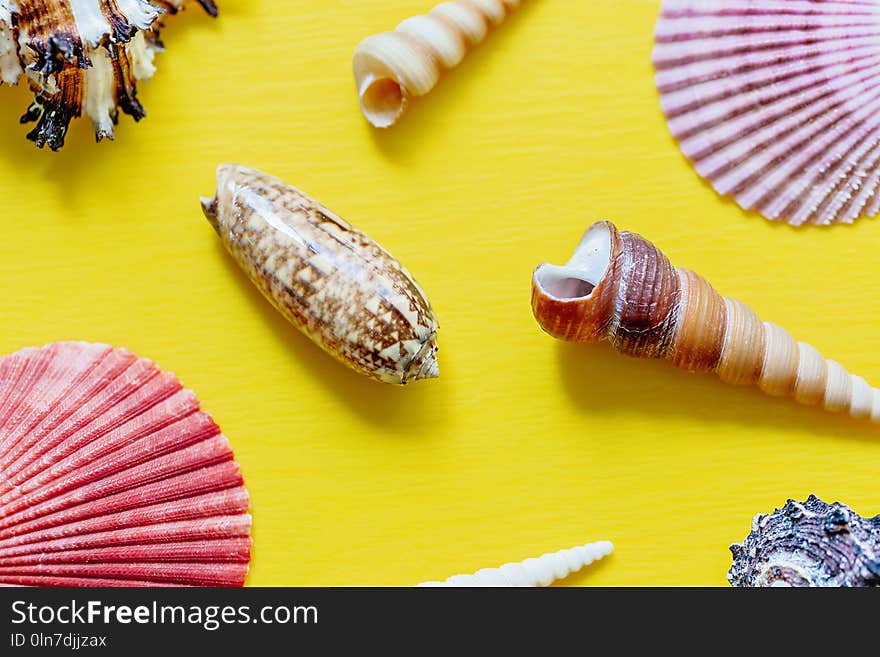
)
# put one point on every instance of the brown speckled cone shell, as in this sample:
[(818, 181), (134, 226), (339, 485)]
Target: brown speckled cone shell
[(330, 280), (646, 308)]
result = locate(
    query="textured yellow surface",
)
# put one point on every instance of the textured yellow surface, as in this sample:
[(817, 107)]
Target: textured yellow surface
[(524, 445)]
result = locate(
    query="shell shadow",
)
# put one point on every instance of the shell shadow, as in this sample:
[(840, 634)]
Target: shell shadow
[(71, 166), (424, 113), (582, 578), (730, 203), (14, 144), (399, 410), (68, 169), (655, 388), (63, 166)]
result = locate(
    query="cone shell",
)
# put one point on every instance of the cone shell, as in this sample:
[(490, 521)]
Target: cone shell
[(392, 67), (81, 57), (619, 287), (776, 102), (809, 544), (326, 277), (111, 475), (542, 571)]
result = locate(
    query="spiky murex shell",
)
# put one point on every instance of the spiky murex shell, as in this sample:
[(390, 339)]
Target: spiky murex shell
[(809, 544), (81, 57)]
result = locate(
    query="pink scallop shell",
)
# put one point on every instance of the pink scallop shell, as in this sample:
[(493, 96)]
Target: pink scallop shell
[(111, 475), (777, 102)]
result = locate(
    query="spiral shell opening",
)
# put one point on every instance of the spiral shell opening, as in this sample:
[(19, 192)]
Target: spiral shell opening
[(621, 288), (392, 67), (382, 101), (583, 273)]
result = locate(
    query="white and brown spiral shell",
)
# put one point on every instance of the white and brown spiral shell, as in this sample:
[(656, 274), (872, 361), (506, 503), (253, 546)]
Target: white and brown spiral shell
[(81, 57), (619, 287), (392, 67), (329, 279)]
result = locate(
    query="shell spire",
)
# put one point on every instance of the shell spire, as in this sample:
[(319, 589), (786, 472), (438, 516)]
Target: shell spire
[(81, 57), (330, 280), (619, 287), (392, 67), (542, 571)]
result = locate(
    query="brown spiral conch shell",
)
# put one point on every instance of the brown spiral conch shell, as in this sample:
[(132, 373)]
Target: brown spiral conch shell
[(330, 280), (619, 287), (81, 57), (392, 67), (809, 544)]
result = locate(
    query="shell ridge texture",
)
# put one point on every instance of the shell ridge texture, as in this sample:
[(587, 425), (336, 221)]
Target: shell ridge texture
[(775, 103), (390, 68), (112, 475), (662, 312), (329, 279), (809, 544), (536, 572)]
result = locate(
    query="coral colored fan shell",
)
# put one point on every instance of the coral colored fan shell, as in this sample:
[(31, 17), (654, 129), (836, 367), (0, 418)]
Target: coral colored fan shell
[(111, 475), (81, 57), (776, 102)]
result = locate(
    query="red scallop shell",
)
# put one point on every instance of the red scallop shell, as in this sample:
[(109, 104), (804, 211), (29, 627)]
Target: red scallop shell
[(111, 475)]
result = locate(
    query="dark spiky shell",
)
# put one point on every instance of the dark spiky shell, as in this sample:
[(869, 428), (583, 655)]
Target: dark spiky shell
[(81, 57), (809, 544)]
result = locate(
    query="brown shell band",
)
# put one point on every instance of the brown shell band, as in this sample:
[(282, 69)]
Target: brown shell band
[(619, 287)]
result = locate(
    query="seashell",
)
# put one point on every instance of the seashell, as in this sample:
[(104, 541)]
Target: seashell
[(542, 571), (81, 57), (619, 287), (775, 102), (392, 67), (110, 475), (329, 279), (809, 544)]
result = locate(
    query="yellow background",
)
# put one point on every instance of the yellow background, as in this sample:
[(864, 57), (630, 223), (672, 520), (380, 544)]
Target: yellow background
[(524, 445)]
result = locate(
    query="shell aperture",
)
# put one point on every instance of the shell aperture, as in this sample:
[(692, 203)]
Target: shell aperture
[(391, 68)]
